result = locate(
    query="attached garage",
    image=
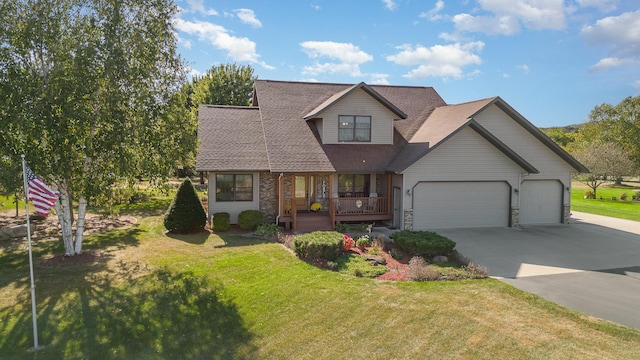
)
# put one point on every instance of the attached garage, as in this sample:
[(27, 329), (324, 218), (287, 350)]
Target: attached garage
[(541, 202), (439, 205)]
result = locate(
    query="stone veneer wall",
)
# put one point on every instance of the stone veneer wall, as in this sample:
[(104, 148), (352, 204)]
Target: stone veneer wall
[(408, 219), (268, 204), (566, 214), (515, 217)]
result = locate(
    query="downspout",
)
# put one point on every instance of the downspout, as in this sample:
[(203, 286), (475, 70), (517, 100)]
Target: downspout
[(279, 196)]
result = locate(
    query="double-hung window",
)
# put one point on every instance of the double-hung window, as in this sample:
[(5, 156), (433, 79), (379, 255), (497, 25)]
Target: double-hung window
[(354, 128), (234, 187)]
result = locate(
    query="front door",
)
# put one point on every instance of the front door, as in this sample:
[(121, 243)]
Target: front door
[(304, 191)]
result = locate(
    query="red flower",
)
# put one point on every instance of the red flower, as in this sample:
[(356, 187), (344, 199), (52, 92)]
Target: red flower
[(347, 242)]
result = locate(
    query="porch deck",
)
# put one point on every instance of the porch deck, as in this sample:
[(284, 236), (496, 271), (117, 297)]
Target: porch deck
[(353, 209)]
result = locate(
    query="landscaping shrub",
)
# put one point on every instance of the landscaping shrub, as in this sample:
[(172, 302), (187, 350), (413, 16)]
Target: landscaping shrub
[(185, 214), (356, 265), (419, 271), (318, 245), (268, 229), (220, 221), (351, 228), (250, 219), (423, 243)]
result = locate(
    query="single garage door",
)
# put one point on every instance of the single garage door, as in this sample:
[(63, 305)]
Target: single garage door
[(439, 205), (541, 202)]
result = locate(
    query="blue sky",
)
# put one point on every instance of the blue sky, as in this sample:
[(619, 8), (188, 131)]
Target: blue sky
[(552, 60)]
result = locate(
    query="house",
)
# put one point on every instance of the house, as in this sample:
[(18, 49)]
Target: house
[(394, 154)]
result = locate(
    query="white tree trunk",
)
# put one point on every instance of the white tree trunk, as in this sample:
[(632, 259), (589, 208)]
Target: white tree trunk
[(63, 208), (82, 212)]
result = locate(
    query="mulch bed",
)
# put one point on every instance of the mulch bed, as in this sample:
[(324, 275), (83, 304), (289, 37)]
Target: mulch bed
[(398, 269), (86, 257)]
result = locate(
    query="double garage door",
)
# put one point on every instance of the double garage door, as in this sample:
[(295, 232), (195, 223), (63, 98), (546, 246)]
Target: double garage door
[(440, 205)]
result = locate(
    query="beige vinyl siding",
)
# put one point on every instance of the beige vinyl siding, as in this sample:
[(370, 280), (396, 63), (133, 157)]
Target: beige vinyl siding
[(466, 156), (358, 103), (234, 208), (550, 165)]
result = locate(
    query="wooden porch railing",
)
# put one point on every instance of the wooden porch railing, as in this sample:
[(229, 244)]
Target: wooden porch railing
[(359, 206)]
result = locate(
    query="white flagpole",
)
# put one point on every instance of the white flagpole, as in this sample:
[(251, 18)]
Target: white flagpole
[(33, 285)]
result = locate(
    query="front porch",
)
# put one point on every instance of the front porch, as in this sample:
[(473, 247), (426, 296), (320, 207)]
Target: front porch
[(296, 214)]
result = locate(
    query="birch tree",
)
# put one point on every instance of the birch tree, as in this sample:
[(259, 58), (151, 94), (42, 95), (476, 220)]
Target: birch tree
[(90, 94)]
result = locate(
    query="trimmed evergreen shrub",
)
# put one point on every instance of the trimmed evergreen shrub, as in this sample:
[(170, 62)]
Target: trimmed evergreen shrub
[(318, 245), (423, 243), (250, 219), (220, 221), (185, 214), (268, 229)]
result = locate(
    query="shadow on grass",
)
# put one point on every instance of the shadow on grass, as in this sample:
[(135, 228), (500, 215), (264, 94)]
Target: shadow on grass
[(163, 314), (235, 240), (119, 238), (196, 238)]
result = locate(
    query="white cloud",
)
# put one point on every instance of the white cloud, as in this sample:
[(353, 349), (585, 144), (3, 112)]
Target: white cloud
[(636, 84), (379, 79), (240, 49), (197, 6), (348, 56), (602, 5), (524, 68), (505, 25), (506, 16), (389, 4), (247, 16), (610, 62), (621, 34), (434, 14), (439, 60)]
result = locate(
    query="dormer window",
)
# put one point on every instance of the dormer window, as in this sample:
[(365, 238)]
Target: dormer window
[(354, 128)]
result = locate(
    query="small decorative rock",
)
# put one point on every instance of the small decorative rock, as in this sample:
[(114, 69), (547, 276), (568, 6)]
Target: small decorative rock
[(375, 259), (16, 231), (440, 258)]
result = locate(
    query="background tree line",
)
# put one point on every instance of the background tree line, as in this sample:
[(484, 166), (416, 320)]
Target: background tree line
[(608, 144)]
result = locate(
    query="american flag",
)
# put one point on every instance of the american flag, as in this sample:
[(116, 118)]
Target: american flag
[(42, 197)]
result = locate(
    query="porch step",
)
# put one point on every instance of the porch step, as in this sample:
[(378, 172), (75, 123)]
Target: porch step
[(313, 222)]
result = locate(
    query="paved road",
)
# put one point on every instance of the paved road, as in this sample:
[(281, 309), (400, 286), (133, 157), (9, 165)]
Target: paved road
[(591, 265)]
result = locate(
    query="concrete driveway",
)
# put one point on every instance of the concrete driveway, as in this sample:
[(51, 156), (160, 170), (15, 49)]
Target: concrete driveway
[(591, 265)]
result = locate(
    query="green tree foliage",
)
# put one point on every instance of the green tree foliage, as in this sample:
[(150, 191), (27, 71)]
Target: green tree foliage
[(619, 124), (89, 92), (185, 214), (226, 84), (606, 162), (563, 136)]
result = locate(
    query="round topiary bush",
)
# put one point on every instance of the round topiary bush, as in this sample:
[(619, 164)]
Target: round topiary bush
[(185, 214)]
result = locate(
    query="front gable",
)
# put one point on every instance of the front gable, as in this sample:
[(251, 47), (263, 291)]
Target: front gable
[(359, 105), (356, 115), (524, 138)]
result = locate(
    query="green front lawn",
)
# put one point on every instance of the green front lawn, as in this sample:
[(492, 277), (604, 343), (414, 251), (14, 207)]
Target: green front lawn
[(603, 205), (150, 295)]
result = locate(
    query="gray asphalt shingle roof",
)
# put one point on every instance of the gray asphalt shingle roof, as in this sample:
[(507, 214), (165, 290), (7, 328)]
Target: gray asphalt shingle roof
[(274, 136)]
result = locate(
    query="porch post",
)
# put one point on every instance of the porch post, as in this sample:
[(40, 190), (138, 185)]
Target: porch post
[(389, 189), (332, 209), (294, 211)]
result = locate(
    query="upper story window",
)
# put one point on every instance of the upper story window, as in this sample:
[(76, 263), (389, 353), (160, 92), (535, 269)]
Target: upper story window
[(354, 128), (234, 187)]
